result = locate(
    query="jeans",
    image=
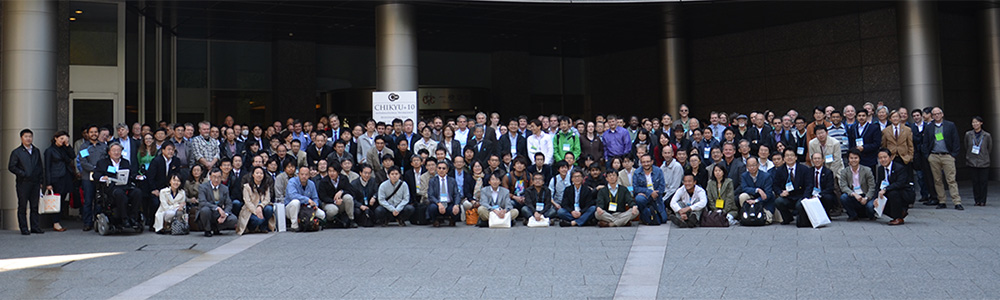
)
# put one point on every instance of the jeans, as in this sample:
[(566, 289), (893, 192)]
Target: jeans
[(237, 206), (853, 207), (527, 213), (256, 224), (585, 215), (647, 205), (88, 210)]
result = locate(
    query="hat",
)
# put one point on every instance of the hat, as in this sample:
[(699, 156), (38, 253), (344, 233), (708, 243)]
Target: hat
[(741, 117)]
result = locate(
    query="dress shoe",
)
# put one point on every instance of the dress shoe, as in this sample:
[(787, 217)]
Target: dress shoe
[(216, 232), (352, 224), (564, 224), (36, 230), (87, 228), (208, 233), (852, 219), (436, 223), (603, 224), (401, 223), (25, 232), (896, 222), (932, 203), (942, 205), (452, 223), (60, 229), (959, 207)]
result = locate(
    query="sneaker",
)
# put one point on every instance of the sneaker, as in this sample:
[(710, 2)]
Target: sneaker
[(603, 224), (564, 224)]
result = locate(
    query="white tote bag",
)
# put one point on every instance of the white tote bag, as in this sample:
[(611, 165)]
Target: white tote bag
[(50, 203), (879, 205), (814, 209), (543, 223), (279, 209), (497, 222)]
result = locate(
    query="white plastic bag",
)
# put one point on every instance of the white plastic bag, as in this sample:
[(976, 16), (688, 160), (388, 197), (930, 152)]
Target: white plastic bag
[(817, 214), (497, 222)]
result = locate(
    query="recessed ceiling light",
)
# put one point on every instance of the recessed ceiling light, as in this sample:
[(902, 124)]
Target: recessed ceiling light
[(79, 12), (72, 19)]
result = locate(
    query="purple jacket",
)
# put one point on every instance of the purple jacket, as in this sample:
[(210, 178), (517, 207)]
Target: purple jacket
[(616, 143)]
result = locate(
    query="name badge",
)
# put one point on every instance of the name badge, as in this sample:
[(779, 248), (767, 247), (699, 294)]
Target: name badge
[(629, 189), (540, 206), (857, 190), (112, 169), (815, 191), (613, 206), (789, 187), (84, 153), (708, 152), (576, 206), (443, 198), (884, 184), (649, 185), (495, 207), (975, 149), (828, 158), (939, 136), (719, 203), (860, 142), (800, 150), (565, 147)]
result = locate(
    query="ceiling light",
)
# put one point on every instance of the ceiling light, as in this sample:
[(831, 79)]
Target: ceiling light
[(72, 19), (79, 12)]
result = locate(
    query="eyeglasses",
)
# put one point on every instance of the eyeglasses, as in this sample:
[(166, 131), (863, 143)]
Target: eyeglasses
[(442, 168)]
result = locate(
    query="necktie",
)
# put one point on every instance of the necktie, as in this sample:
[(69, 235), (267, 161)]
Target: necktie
[(215, 193), (791, 173), (817, 178)]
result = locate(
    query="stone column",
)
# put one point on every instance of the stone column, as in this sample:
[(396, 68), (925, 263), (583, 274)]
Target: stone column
[(28, 93), (673, 62), (919, 54), (395, 48), (989, 20)]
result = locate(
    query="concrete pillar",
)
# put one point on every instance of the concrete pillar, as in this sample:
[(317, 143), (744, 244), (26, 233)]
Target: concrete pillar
[(673, 62), (919, 54), (989, 20), (27, 96), (395, 48)]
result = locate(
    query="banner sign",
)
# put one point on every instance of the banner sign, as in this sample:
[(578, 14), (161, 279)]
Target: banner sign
[(387, 106)]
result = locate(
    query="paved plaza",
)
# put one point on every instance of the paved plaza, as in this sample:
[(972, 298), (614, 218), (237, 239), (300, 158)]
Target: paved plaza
[(938, 254)]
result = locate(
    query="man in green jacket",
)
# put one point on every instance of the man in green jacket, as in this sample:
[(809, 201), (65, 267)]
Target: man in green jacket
[(615, 206), (565, 140)]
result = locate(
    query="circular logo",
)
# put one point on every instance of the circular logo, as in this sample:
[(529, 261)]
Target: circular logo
[(393, 97)]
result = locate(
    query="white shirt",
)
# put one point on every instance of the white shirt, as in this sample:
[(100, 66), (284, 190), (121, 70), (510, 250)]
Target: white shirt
[(540, 143), (682, 199), (462, 135)]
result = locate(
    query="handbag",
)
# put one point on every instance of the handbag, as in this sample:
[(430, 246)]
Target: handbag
[(753, 215), (714, 218), (471, 216), (179, 225), (279, 212), (497, 222), (51, 203), (534, 224)]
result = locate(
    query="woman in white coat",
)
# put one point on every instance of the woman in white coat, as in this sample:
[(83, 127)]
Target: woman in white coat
[(172, 200)]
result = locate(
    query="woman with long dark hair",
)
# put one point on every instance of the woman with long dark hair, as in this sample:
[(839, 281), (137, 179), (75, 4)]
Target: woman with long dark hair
[(257, 212), (59, 171)]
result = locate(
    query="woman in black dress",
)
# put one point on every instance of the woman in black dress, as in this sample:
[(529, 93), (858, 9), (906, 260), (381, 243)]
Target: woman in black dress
[(59, 171)]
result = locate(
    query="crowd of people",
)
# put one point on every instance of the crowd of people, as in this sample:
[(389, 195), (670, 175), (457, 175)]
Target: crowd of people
[(548, 170)]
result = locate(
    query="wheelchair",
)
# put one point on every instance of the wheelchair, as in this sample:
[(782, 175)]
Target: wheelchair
[(106, 221)]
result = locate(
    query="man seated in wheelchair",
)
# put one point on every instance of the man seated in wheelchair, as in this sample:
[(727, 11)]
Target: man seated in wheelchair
[(124, 196)]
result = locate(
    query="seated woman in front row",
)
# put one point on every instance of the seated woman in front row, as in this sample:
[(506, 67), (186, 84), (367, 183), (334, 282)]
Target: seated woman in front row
[(172, 200), (256, 214)]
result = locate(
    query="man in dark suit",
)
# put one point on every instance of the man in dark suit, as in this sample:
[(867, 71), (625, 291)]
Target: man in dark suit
[(482, 146), (338, 154), (158, 177), (130, 147), (463, 179), (578, 204), (790, 181), (513, 142), (865, 137), (318, 150), (444, 198), (215, 208), (126, 197), (942, 142), (26, 164), (759, 134), (412, 175), (922, 171), (337, 195), (820, 186), (894, 186)]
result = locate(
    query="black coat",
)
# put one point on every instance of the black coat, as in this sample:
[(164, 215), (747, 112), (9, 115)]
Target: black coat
[(764, 137), (587, 197), (157, 177), (27, 167), (124, 164), (468, 184), (826, 180), (483, 151), (327, 191), (313, 156), (59, 169), (801, 182), (503, 144)]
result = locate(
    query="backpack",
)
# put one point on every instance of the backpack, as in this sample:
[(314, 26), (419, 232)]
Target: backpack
[(753, 215), (308, 220)]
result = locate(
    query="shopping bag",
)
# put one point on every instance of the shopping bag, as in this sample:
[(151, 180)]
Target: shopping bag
[(51, 203), (497, 222), (471, 217), (279, 209), (543, 223), (879, 205), (817, 214)]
